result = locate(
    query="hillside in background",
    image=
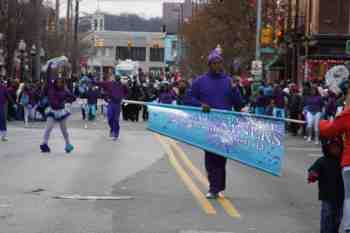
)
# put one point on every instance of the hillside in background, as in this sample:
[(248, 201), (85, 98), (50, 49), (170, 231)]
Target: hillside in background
[(126, 22)]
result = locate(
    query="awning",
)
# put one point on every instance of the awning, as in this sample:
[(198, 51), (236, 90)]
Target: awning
[(329, 57)]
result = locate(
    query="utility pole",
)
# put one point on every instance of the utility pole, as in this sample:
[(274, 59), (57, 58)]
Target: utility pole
[(258, 30), (76, 42), (57, 20), (289, 72), (37, 39), (11, 36), (258, 35), (297, 46), (68, 27)]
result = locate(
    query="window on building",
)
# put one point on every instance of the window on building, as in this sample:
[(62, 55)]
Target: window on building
[(101, 25), (138, 53), (122, 53), (99, 52), (134, 53), (157, 54), (107, 52), (173, 48), (95, 25)]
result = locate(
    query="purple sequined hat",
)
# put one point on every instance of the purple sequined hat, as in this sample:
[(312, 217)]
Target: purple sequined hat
[(214, 56)]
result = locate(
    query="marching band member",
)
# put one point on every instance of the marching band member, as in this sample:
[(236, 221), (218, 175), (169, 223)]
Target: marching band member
[(114, 91), (215, 90), (4, 98)]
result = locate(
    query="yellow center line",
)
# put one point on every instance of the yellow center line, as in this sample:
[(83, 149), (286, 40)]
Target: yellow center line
[(205, 204), (225, 203)]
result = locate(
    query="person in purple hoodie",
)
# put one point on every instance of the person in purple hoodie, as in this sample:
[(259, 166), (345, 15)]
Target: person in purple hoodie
[(166, 95), (330, 106), (279, 102), (215, 90), (57, 113), (115, 91), (4, 98)]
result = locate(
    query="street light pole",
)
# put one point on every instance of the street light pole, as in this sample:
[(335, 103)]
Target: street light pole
[(76, 42), (22, 48), (258, 30), (37, 40), (33, 53), (2, 56)]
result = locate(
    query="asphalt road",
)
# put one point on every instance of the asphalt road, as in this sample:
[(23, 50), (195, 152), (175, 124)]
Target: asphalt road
[(166, 180)]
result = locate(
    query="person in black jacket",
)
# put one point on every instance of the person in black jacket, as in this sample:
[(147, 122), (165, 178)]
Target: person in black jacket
[(294, 108), (327, 171)]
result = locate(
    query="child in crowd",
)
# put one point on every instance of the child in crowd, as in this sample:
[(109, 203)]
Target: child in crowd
[(327, 171), (260, 103), (26, 101), (92, 96)]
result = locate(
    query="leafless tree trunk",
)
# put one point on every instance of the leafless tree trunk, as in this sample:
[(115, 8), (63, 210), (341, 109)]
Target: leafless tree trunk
[(11, 36), (75, 60), (57, 17), (68, 25), (37, 39)]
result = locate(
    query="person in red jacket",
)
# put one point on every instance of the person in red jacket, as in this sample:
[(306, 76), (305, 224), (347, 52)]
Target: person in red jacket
[(340, 126)]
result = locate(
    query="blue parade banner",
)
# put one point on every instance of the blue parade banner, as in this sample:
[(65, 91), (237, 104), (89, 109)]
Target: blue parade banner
[(256, 141)]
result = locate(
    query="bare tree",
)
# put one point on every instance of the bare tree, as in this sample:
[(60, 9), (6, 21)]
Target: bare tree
[(229, 24)]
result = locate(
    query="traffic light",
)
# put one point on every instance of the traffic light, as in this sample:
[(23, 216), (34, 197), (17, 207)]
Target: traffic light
[(51, 25), (279, 36), (252, 3), (99, 43), (266, 35), (129, 44)]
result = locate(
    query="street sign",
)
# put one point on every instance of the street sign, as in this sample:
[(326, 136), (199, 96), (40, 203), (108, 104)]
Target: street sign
[(347, 49), (257, 67)]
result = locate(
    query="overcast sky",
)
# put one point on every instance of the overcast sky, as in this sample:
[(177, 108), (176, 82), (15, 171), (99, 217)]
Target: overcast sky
[(145, 8)]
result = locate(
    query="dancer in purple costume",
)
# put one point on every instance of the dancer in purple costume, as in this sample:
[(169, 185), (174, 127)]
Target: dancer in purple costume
[(115, 91), (57, 113), (4, 98)]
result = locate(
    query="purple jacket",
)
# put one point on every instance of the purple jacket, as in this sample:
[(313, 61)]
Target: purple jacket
[(261, 101), (216, 91), (314, 104), (279, 98), (58, 97), (115, 91), (4, 95), (166, 97), (92, 96), (331, 106)]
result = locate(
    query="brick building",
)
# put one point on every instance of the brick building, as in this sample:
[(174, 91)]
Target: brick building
[(175, 13), (327, 25)]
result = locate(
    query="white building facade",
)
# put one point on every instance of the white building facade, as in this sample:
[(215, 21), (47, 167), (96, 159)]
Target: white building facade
[(109, 47)]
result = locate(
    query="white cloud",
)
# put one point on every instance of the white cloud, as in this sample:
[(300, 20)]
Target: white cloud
[(145, 8)]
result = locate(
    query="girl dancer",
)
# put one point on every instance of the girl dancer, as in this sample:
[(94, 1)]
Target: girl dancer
[(58, 95)]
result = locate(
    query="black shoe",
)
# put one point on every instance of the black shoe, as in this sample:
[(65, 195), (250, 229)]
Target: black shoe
[(45, 148), (211, 195)]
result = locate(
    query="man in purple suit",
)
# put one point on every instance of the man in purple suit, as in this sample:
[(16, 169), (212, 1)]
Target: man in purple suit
[(215, 90)]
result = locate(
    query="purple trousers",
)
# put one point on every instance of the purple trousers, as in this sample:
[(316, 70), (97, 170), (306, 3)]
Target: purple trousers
[(113, 114), (216, 171), (3, 127)]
